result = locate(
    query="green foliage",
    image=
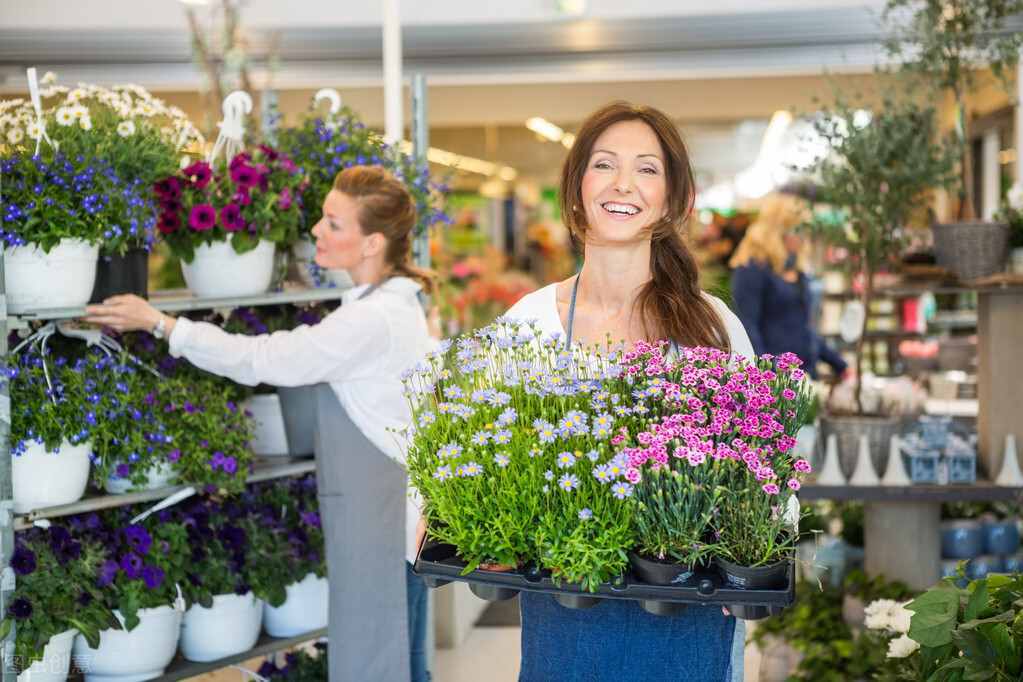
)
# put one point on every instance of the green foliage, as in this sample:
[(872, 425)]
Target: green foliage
[(55, 591), (971, 633), (674, 512), (299, 666)]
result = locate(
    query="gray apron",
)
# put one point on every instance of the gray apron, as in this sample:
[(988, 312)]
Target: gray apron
[(362, 494)]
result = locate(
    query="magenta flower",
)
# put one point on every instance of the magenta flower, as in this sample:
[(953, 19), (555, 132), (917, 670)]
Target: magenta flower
[(244, 175), (202, 218), (174, 455), (771, 488), (269, 152), (242, 196), (632, 475), (231, 218), (200, 173), (802, 466), (168, 189), (794, 484), (284, 201)]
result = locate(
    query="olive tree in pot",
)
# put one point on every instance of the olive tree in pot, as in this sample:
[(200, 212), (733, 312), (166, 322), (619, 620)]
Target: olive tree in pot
[(878, 175), (949, 43)]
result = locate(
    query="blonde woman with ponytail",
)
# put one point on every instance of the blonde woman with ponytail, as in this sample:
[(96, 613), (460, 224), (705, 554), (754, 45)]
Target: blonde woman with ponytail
[(626, 191), (361, 350)]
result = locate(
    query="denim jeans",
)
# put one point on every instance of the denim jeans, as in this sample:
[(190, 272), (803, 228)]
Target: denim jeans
[(616, 640), (416, 590)]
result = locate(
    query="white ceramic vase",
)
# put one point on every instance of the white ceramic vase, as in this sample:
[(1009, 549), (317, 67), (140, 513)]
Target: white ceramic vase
[(217, 271), (46, 479), (56, 661), (864, 474), (229, 627), (269, 436), (64, 277), (304, 609), (141, 654)]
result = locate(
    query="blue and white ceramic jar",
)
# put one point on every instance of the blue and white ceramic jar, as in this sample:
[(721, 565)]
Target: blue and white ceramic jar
[(961, 539)]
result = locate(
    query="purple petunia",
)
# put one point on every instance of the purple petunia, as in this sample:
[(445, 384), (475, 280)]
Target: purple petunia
[(123, 470), (152, 576), (229, 465), (20, 608), (138, 538), (244, 175), (203, 217), (311, 518), (23, 561), (231, 218), (174, 455), (131, 564)]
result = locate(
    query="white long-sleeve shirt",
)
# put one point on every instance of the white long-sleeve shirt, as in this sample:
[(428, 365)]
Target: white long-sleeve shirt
[(361, 349)]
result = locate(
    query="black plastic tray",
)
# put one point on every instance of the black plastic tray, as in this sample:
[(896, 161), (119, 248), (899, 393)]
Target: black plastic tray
[(438, 564)]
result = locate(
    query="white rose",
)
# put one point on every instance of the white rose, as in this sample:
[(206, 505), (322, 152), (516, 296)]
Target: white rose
[(902, 646), (1015, 196), (878, 614), (15, 135), (899, 619)]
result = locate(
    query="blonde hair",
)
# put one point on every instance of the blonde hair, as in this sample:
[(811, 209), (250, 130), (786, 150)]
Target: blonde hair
[(385, 206), (763, 242)]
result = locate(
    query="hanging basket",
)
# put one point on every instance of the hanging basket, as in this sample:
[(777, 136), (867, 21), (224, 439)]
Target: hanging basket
[(268, 435), (217, 271), (971, 250), (229, 627), (41, 478), (304, 609), (128, 656), (56, 661), (117, 274), (64, 277)]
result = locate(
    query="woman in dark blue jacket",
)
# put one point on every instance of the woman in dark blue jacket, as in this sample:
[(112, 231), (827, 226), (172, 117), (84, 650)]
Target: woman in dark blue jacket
[(771, 293)]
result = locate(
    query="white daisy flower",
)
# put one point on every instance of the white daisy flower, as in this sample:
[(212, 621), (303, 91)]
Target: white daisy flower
[(65, 116), (15, 135), (126, 128), (79, 111), (35, 131), (48, 78), (76, 94), (85, 122)]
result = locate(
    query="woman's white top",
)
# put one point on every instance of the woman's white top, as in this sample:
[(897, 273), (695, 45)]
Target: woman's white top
[(361, 349), (542, 306)]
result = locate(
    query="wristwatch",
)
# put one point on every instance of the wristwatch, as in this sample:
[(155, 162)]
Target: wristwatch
[(160, 328)]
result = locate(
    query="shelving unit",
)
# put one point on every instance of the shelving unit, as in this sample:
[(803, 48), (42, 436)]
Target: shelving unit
[(181, 669), (978, 492), (265, 469)]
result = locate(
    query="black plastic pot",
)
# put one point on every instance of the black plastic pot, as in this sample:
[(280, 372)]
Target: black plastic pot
[(576, 601), (771, 577), (752, 612), (660, 572), (492, 592), (661, 608), (116, 274)]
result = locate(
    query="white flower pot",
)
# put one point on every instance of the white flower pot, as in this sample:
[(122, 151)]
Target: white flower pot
[(63, 277), (230, 627), (1016, 260), (159, 475), (268, 437), (47, 479), (312, 274), (56, 660), (218, 272), (304, 609), (142, 654)]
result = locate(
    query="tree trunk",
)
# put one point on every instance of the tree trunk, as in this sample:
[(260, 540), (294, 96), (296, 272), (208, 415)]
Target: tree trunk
[(868, 293), (966, 205)]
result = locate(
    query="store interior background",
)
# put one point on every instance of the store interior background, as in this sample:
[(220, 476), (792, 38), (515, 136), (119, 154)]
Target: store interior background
[(490, 67)]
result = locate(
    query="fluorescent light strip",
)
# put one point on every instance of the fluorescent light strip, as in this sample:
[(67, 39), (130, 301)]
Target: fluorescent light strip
[(464, 163)]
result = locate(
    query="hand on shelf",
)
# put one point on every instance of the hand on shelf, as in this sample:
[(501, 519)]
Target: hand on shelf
[(128, 312)]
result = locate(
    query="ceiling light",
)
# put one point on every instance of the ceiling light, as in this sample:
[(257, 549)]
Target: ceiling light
[(567, 140), (463, 163), (542, 126)]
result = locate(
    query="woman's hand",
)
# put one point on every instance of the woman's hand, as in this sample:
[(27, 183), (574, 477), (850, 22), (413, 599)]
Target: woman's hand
[(127, 313), (420, 531)]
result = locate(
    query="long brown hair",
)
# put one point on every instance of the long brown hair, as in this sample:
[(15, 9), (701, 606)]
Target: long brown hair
[(671, 304), (385, 206)]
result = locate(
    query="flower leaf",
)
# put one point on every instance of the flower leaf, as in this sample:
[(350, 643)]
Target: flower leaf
[(934, 616)]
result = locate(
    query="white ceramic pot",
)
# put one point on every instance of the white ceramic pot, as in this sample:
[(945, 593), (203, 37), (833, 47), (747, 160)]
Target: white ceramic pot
[(56, 660), (159, 475), (229, 627), (47, 479), (63, 277), (1016, 260), (142, 654), (268, 437), (217, 271), (304, 609), (312, 274)]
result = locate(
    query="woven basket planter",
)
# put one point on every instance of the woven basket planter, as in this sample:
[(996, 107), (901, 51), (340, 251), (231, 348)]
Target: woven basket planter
[(971, 250)]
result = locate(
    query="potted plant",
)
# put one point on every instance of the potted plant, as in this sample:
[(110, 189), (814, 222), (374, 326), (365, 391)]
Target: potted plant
[(55, 598), (51, 428), (103, 149), (133, 450), (948, 42), (224, 220), (285, 525), (139, 585), (878, 175), (324, 145), (299, 666)]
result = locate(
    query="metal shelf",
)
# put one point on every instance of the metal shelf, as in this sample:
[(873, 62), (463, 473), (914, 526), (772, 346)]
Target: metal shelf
[(265, 470), (180, 300), (978, 492), (181, 669)]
